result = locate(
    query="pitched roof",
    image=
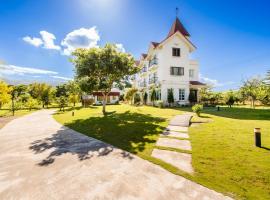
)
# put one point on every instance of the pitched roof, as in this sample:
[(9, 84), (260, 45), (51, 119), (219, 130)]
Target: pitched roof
[(178, 26), (144, 55), (196, 83), (155, 44)]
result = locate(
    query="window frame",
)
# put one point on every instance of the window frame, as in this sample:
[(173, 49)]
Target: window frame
[(182, 94), (178, 71), (176, 52), (193, 72)]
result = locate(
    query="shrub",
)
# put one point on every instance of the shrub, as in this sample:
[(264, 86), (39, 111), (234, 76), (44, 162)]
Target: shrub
[(32, 103), (137, 99), (160, 104), (197, 108)]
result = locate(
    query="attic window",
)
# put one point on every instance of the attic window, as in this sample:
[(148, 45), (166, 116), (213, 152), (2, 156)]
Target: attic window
[(176, 52)]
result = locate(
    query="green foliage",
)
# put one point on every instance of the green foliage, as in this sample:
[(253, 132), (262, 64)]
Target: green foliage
[(170, 96), (251, 88), (97, 69), (153, 96), (5, 96), (137, 99), (62, 102), (145, 97), (61, 90), (160, 103), (197, 108), (31, 103), (130, 94), (229, 98)]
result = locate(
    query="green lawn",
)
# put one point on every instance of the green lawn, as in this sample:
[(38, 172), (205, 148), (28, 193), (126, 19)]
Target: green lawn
[(224, 155), (223, 152)]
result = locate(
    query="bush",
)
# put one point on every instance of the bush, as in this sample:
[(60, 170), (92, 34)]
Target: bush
[(32, 103), (197, 108), (160, 104), (137, 99)]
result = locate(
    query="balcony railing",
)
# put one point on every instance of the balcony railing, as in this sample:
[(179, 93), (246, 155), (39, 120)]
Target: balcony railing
[(142, 84), (152, 62), (153, 80)]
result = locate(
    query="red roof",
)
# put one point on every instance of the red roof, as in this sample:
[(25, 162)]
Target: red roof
[(155, 44), (144, 55), (178, 26), (196, 83), (110, 94)]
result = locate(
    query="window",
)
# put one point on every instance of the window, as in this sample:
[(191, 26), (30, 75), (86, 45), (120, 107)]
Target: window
[(177, 71), (181, 94), (176, 52), (191, 73)]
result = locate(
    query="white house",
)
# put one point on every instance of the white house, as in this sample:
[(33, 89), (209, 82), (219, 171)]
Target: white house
[(167, 65)]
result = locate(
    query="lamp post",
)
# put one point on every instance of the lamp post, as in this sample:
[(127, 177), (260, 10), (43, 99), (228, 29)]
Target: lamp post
[(257, 134)]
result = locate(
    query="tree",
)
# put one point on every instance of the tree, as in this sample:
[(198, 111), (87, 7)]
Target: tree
[(229, 98), (4, 93), (74, 92), (61, 90), (137, 98), (97, 69), (268, 78), (46, 95), (62, 102), (205, 94), (250, 89), (170, 96), (145, 97), (31, 103), (130, 94), (153, 96)]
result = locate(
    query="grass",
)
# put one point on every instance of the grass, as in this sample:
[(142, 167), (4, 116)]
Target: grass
[(223, 152), (224, 155)]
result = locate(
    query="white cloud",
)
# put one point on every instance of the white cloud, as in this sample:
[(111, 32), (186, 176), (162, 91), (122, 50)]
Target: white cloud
[(214, 82), (80, 38), (16, 70), (62, 78), (120, 47), (33, 41), (48, 40)]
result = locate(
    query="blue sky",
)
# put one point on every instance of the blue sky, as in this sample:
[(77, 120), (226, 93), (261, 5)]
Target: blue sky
[(232, 37)]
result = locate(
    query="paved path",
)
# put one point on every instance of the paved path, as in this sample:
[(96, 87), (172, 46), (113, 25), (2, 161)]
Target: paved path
[(176, 137), (40, 159)]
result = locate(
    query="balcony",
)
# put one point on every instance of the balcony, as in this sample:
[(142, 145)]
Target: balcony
[(153, 62), (153, 80)]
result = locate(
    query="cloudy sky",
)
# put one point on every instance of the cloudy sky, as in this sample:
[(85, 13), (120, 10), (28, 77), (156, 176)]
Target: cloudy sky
[(37, 37)]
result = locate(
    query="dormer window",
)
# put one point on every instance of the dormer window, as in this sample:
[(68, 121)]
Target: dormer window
[(176, 52)]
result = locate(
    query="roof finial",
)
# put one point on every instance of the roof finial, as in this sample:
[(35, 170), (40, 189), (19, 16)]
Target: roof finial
[(176, 11)]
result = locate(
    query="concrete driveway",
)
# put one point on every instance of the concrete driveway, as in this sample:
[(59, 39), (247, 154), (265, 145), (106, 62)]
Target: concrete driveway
[(41, 159)]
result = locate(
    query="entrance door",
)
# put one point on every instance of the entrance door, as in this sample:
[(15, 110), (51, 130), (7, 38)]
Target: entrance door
[(193, 96)]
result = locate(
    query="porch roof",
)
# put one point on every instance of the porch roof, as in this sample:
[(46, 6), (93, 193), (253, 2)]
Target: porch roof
[(198, 83), (110, 94)]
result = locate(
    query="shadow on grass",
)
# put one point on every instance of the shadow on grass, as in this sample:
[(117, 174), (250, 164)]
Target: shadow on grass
[(129, 131)]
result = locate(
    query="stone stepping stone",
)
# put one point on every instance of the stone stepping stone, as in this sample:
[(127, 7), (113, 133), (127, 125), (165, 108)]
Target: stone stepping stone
[(177, 128), (179, 160), (175, 134), (174, 143), (181, 120)]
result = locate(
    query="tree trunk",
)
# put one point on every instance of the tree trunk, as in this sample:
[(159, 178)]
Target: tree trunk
[(104, 104), (74, 104)]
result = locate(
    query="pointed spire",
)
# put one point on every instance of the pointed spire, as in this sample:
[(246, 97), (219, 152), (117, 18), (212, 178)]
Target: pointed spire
[(178, 26)]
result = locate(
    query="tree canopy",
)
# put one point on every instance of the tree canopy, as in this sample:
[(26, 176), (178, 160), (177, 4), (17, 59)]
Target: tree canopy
[(97, 69)]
